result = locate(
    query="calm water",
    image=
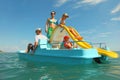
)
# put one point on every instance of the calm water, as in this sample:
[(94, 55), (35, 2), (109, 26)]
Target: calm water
[(11, 68)]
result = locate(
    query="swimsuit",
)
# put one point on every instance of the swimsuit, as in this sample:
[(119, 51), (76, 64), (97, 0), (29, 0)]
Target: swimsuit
[(50, 29), (50, 21)]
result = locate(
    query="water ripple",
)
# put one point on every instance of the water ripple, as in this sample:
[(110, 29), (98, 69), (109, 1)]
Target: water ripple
[(11, 68)]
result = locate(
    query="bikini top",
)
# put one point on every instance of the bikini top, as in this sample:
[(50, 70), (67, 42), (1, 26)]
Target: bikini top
[(51, 21)]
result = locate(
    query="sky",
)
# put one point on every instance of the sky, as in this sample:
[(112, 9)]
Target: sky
[(95, 20)]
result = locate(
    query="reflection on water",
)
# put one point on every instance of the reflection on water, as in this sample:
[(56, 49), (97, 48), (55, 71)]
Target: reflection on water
[(11, 68)]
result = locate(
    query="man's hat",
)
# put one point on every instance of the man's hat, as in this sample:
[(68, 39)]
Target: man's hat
[(38, 29), (65, 14)]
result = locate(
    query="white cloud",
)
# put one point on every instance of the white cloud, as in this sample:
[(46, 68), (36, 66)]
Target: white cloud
[(88, 2), (88, 32), (105, 34), (78, 3), (115, 19), (60, 3), (116, 9), (92, 2)]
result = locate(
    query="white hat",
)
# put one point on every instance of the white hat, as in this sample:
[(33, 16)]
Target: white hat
[(38, 29), (65, 14)]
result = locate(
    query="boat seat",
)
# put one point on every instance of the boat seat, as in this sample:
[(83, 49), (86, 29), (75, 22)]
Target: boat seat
[(43, 43)]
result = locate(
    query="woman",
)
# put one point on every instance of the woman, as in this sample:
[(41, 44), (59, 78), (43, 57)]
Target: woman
[(50, 24)]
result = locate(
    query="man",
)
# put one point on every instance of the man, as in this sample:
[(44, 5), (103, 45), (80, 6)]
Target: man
[(62, 22), (38, 36), (63, 18)]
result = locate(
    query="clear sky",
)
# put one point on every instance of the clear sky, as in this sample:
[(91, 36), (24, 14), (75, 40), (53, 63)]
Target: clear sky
[(95, 20)]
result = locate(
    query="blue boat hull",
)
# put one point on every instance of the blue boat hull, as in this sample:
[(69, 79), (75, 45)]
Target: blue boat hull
[(76, 56), (61, 60)]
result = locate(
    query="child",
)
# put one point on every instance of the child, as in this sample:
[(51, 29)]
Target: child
[(30, 48), (67, 43)]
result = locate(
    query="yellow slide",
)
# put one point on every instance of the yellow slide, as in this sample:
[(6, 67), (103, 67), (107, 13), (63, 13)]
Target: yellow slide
[(86, 45)]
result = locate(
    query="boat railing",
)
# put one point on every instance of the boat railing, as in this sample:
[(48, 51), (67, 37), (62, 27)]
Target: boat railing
[(60, 44), (94, 45), (100, 45)]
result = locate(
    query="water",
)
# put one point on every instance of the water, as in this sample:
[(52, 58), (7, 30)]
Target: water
[(11, 68)]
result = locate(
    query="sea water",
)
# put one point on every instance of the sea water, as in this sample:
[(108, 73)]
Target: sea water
[(12, 68)]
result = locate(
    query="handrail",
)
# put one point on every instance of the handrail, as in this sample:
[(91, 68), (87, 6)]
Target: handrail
[(93, 44), (62, 42), (99, 45)]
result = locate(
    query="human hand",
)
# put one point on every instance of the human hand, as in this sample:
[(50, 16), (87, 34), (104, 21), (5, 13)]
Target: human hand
[(46, 30)]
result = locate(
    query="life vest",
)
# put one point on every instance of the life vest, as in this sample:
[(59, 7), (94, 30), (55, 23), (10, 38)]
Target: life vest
[(66, 45)]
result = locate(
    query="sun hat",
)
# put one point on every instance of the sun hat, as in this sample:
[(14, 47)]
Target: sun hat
[(65, 14)]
